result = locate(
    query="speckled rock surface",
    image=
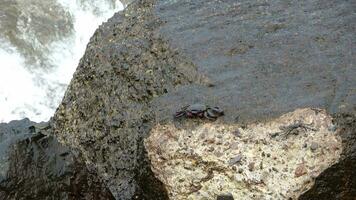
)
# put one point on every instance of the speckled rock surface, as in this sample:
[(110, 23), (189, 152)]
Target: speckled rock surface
[(259, 161)]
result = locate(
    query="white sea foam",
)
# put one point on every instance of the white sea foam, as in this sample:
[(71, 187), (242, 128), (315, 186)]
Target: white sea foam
[(36, 94)]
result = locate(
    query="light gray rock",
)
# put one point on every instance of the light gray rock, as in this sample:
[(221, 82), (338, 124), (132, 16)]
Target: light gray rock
[(181, 158)]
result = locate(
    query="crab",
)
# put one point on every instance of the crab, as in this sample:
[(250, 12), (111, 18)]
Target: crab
[(199, 111), (294, 129)]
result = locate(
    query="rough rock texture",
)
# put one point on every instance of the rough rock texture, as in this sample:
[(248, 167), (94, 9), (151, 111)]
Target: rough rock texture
[(255, 59), (36, 166), (105, 112), (259, 161)]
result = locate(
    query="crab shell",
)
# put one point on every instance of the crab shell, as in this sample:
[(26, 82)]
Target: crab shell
[(196, 108)]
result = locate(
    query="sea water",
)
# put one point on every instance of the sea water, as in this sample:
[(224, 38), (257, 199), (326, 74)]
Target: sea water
[(41, 43)]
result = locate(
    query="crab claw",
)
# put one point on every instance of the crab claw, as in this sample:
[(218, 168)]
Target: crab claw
[(217, 110), (179, 114), (209, 115)]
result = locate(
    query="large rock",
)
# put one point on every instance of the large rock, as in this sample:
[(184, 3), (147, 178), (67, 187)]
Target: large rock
[(278, 159), (105, 112), (36, 166), (254, 59)]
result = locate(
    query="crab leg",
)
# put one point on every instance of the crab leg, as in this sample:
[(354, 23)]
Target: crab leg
[(179, 114)]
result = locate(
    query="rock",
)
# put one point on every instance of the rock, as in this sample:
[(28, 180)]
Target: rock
[(235, 160), (101, 92), (36, 166), (144, 64), (237, 133), (314, 146), (251, 166), (181, 154), (300, 170)]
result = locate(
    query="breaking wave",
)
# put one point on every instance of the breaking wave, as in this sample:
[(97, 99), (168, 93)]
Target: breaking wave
[(41, 42)]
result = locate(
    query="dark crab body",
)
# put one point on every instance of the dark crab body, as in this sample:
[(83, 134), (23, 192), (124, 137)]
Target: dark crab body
[(199, 111)]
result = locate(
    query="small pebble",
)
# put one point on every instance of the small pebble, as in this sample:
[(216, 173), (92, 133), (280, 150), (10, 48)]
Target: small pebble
[(218, 153), (314, 146), (240, 171), (300, 171), (210, 141), (251, 166), (237, 133), (234, 145), (211, 149), (235, 160)]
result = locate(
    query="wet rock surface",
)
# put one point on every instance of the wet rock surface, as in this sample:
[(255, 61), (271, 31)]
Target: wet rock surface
[(37, 166), (256, 60), (264, 58)]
